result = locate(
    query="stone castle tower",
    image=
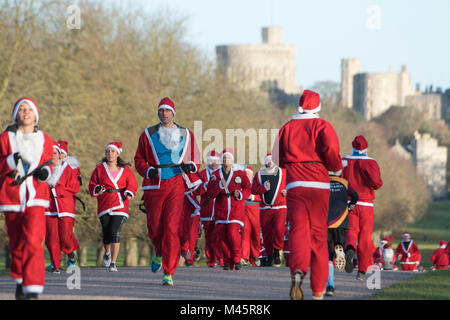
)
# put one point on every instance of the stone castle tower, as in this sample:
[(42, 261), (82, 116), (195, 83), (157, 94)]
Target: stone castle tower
[(267, 65), (373, 93)]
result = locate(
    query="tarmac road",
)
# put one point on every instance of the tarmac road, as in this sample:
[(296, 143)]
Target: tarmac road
[(194, 283)]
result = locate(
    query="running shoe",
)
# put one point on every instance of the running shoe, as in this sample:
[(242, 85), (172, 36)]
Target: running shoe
[(330, 291), (156, 263), (167, 280), (339, 262), (106, 259), (113, 267), (349, 260), (237, 266), (296, 292), (360, 275)]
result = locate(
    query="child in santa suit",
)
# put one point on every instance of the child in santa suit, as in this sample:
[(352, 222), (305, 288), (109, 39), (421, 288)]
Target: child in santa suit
[(113, 184), (230, 188), (440, 257), (60, 216), (363, 174), (251, 232), (308, 148), (408, 253), (25, 166), (384, 256), (270, 183), (212, 250), (167, 158)]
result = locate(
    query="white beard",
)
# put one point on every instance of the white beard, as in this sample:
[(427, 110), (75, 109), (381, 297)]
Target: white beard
[(30, 146), (57, 172), (170, 138)]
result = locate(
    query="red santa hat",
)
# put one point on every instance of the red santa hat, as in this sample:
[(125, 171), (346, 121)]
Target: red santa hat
[(115, 145), (268, 156), (309, 102), (406, 234), (248, 168), (228, 151), (56, 146), (442, 244), (166, 103), (212, 155), (28, 101), (63, 146), (385, 240), (360, 144)]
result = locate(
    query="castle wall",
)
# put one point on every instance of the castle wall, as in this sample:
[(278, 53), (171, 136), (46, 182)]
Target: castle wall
[(429, 104)]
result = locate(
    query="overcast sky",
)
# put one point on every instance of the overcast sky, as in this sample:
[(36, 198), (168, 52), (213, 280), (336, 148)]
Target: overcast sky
[(382, 33)]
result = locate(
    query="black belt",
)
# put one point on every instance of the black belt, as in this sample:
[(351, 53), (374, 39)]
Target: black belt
[(114, 190), (226, 194), (310, 162)]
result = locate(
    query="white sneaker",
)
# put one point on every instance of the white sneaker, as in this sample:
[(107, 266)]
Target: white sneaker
[(113, 267), (106, 259), (339, 262)]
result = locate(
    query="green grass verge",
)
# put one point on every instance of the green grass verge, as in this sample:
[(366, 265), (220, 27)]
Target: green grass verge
[(425, 286)]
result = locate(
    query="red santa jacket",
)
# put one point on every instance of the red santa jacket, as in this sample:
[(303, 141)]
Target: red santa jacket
[(64, 184), (308, 148), (207, 205), (363, 173), (113, 203), (228, 209), (31, 193), (277, 200), (408, 254), (440, 258), (146, 158)]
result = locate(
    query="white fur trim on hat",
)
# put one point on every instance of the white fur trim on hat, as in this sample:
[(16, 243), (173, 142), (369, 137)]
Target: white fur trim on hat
[(28, 102), (316, 110), (166, 106), (114, 147), (228, 153)]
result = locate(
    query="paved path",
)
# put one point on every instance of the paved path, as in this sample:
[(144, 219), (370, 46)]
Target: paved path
[(194, 283)]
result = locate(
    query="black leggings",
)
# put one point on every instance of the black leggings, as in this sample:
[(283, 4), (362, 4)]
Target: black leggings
[(335, 236), (111, 226)]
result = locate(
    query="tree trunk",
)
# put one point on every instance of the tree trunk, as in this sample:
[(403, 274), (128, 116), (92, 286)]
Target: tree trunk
[(7, 256), (131, 252), (100, 253), (144, 253), (82, 256)]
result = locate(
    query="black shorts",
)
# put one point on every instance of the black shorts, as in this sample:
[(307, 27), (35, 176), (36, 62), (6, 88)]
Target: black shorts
[(111, 226)]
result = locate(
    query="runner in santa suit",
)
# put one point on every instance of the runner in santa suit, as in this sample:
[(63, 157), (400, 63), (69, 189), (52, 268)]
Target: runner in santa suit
[(363, 173), (251, 232), (440, 257), (212, 250), (167, 158), (25, 166), (408, 253), (113, 184), (308, 148), (191, 226), (230, 188), (60, 216), (270, 183)]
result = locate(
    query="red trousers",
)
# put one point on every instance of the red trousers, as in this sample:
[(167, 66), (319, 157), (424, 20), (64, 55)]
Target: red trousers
[(360, 229), (164, 208), (191, 226), (307, 215), (230, 241), (251, 238), (212, 250), (60, 238), (273, 225), (26, 232)]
